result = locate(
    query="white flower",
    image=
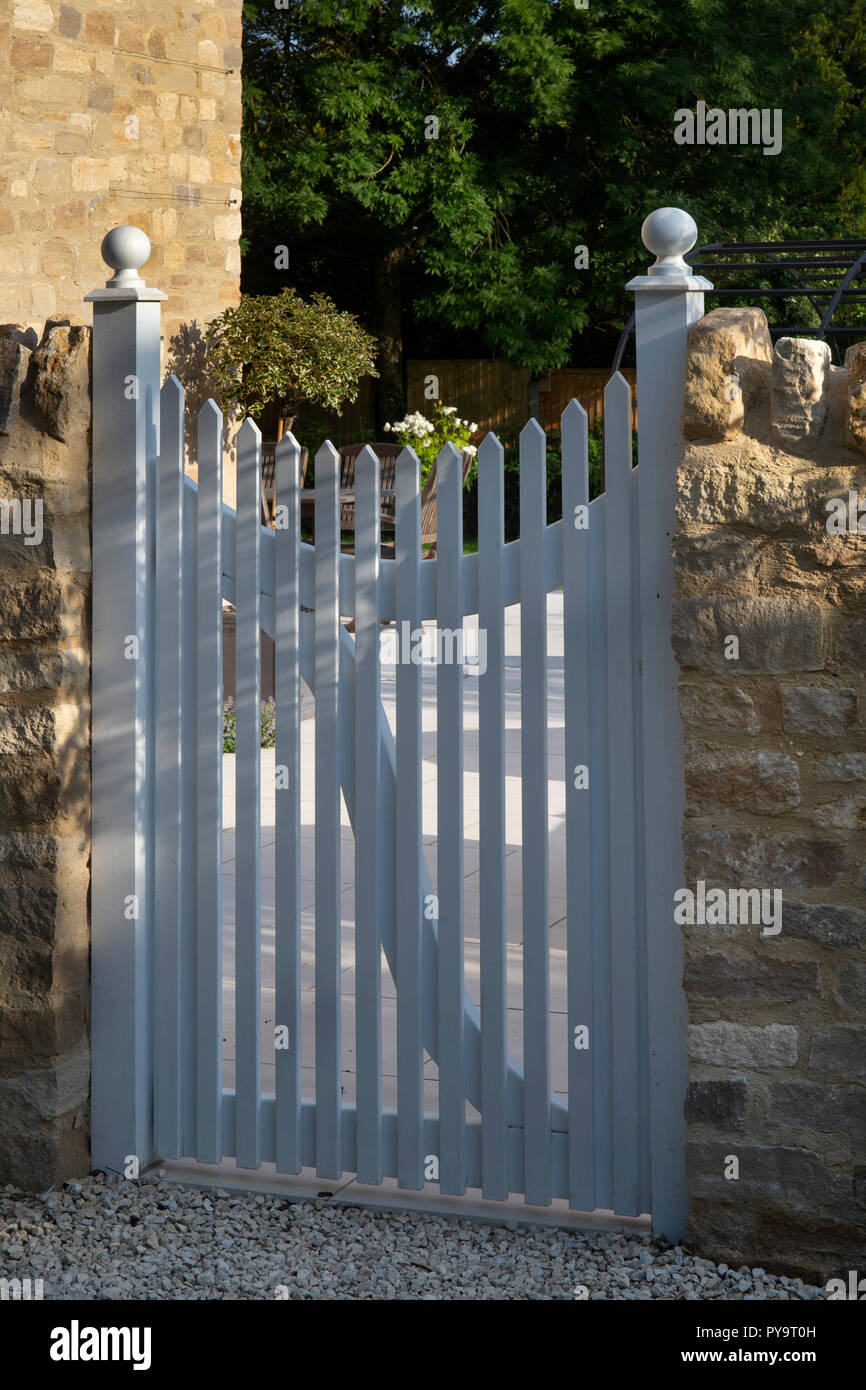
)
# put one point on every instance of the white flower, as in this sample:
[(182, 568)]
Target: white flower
[(473, 428), (470, 449), (387, 428), (449, 410)]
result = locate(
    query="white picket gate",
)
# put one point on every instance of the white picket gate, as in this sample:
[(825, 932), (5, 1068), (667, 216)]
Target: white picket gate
[(167, 553)]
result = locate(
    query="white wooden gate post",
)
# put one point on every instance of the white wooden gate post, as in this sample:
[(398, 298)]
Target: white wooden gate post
[(668, 300), (126, 371)]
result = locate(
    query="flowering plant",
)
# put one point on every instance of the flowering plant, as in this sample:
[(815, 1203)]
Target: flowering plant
[(429, 437), (267, 725)]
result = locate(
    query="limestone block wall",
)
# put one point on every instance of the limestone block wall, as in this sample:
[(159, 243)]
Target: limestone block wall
[(45, 747), (124, 113), (770, 635)]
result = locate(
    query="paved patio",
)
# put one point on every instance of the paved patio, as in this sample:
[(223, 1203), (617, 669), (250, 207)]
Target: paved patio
[(472, 891)]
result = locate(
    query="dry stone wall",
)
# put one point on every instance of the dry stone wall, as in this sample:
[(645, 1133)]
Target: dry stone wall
[(769, 632), (45, 747)]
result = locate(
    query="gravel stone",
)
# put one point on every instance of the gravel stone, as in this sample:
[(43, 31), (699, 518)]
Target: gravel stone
[(110, 1239)]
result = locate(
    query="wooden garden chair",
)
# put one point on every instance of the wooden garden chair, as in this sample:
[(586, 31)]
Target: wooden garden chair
[(387, 455)]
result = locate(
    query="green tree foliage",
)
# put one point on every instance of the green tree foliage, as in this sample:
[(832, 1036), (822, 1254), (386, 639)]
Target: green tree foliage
[(338, 142), (555, 129), (281, 348)]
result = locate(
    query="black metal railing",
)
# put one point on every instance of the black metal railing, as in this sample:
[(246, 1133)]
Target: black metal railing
[(822, 273)]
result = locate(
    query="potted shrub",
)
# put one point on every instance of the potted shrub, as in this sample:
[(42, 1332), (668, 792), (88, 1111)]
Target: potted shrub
[(287, 349)]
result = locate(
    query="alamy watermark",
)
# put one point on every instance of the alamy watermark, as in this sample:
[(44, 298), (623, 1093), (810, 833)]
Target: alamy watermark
[(440, 646), (22, 517), (854, 1290), (717, 907), (77, 1343), (846, 518), (20, 1290), (737, 126)]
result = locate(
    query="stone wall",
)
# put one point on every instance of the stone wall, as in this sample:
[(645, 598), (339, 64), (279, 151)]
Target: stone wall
[(775, 741), (125, 113), (45, 746)]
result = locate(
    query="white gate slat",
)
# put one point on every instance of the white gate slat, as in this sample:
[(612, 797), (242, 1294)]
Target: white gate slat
[(248, 769), (534, 817), (189, 807), (621, 753), (449, 828), (209, 697), (645, 1194), (578, 818), (287, 882), (409, 852), (491, 789), (602, 1064), (327, 855), (368, 867), (171, 864)]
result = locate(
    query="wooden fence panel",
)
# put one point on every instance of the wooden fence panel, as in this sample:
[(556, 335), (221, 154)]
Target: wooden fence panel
[(586, 385), (487, 392)]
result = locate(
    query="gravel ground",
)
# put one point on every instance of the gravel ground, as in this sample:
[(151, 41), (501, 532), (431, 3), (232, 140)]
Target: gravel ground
[(110, 1239)]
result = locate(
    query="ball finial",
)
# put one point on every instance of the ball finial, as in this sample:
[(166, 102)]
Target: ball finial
[(125, 249), (668, 233)]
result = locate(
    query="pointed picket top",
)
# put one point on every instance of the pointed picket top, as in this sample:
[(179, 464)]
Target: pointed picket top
[(574, 413), (491, 495), (490, 453), (171, 400), (407, 459), (172, 387), (210, 436), (447, 459), (533, 447), (449, 451), (210, 411), (407, 480), (575, 462), (617, 389), (532, 430), (366, 466), (249, 435), (327, 453), (286, 445), (575, 430), (617, 434)]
